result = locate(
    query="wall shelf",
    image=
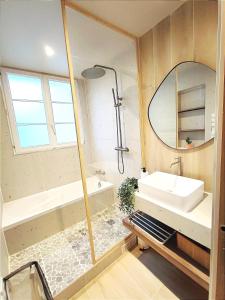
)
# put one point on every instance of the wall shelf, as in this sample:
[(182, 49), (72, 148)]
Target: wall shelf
[(191, 89), (191, 114), (191, 130), (191, 109)]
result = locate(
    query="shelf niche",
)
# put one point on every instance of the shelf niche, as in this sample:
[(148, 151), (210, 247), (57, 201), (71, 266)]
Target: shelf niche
[(191, 115)]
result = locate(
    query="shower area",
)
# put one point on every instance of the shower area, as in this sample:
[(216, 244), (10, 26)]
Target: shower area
[(96, 72), (67, 148)]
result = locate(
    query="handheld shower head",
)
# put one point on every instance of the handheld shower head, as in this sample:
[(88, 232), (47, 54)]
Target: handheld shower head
[(93, 73)]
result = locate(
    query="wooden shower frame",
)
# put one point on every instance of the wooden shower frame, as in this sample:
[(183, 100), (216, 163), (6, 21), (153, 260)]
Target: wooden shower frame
[(72, 5)]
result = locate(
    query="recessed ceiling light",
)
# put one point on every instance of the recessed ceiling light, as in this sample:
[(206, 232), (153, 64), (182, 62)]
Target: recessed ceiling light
[(49, 51)]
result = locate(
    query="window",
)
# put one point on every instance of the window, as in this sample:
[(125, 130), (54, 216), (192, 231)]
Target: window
[(62, 106), (40, 111), (29, 110)]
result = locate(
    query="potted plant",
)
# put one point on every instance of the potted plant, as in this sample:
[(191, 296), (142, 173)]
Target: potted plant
[(189, 143), (126, 195)]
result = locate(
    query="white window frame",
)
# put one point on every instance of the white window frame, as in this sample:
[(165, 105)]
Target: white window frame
[(8, 103)]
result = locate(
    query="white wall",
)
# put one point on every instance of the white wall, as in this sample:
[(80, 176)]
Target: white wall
[(4, 262), (102, 125), (4, 267)]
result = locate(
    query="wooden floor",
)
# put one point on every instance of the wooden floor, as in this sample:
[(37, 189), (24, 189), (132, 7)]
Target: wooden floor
[(141, 275)]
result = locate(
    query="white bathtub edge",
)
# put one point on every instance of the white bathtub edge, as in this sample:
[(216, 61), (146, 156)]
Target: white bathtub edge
[(16, 222)]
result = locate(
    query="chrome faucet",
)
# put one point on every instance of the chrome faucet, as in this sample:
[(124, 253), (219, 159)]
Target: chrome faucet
[(99, 172), (177, 162)]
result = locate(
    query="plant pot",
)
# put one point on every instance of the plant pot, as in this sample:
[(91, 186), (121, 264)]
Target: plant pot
[(189, 146)]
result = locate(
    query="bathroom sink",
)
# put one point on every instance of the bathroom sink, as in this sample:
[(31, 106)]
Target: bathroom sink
[(176, 191)]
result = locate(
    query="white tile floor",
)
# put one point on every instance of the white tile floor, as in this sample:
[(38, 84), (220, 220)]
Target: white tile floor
[(66, 255)]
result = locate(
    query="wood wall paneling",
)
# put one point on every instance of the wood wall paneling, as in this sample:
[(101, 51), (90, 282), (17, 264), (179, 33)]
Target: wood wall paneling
[(217, 266), (167, 44), (162, 49), (147, 62), (147, 94), (182, 40), (205, 27)]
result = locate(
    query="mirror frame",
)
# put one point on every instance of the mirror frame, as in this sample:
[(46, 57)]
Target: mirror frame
[(177, 149)]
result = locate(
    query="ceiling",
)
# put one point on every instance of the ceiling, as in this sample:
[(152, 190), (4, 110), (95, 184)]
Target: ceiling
[(93, 43), (134, 16), (28, 26)]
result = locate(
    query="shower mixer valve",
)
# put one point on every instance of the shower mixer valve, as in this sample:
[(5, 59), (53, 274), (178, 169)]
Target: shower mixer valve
[(118, 104)]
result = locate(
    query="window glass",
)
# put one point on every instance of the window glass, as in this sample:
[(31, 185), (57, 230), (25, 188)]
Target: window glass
[(62, 108), (37, 119), (29, 112), (63, 113), (33, 135), (25, 87), (29, 109), (60, 91)]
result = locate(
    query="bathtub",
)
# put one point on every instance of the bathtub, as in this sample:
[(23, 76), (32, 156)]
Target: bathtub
[(27, 208), (38, 216)]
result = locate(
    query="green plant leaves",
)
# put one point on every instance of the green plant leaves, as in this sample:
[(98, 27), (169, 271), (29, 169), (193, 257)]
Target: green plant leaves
[(126, 195)]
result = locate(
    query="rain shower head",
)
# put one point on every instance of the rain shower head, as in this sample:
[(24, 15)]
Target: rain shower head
[(93, 73)]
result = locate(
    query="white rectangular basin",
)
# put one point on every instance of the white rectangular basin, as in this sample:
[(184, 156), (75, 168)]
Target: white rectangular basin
[(176, 191)]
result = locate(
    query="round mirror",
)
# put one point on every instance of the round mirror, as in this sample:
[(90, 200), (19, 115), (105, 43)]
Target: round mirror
[(182, 110)]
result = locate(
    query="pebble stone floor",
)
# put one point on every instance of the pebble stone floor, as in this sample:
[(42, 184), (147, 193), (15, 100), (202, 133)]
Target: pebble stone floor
[(65, 256)]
